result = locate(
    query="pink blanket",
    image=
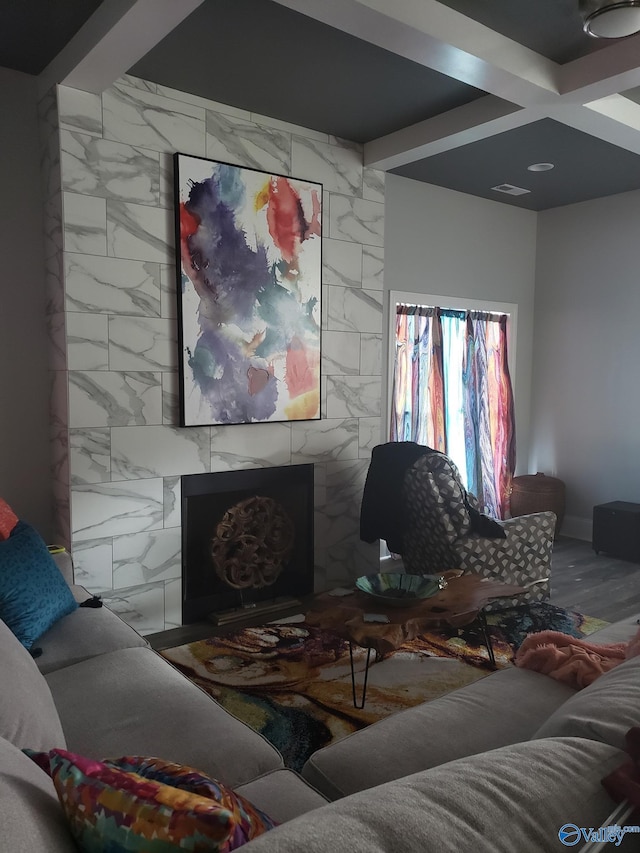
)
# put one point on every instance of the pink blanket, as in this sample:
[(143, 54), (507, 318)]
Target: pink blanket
[(572, 661)]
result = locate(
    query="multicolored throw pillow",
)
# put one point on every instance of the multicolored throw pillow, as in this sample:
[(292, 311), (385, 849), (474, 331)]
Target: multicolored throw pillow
[(8, 519), (146, 805), (33, 593)]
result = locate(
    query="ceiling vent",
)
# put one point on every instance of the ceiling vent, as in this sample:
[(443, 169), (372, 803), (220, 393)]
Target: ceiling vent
[(509, 189)]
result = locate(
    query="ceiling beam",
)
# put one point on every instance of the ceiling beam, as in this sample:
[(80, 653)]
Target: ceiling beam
[(115, 37), (443, 40), (470, 122)]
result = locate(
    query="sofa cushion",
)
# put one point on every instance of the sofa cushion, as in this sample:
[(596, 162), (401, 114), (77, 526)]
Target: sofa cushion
[(33, 593), (28, 716), (483, 715), (147, 805), (133, 702), (617, 632), (604, 711), (511, 799), (282, 794), (31, 819), (85, 633)]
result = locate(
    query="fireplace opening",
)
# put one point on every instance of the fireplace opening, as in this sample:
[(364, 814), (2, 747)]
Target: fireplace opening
[(247, 539)]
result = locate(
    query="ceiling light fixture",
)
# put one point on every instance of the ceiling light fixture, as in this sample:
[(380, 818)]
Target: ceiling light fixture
[(606, 19), (540, 167)]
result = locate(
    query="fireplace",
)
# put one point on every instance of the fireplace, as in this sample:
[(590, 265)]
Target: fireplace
[(247, 539)]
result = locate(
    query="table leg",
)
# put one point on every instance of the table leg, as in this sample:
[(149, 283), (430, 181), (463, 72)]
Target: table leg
[(353, 677), (482, 621)]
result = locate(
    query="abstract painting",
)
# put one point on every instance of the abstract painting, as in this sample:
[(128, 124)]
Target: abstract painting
[(249, 265)]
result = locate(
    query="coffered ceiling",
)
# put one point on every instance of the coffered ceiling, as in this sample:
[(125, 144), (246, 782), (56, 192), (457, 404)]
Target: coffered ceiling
[(465, 94)]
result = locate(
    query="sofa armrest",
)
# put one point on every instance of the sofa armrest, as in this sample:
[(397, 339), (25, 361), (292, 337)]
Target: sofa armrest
[(64, 562)]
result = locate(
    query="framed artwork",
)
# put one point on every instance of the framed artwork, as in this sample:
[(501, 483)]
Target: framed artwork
[(249, 266)]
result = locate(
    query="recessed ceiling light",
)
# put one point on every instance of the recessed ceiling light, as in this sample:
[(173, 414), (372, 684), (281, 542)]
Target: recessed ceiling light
[(540, 167)]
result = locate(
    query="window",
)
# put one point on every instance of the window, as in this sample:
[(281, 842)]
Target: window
[(451, 388)]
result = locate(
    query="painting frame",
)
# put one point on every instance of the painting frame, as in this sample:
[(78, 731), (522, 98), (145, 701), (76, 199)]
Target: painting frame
[(249, 293)]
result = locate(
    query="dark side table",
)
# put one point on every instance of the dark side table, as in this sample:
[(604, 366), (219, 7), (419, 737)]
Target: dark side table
[(616, 530)]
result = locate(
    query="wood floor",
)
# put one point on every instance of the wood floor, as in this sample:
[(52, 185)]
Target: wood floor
[(596, 585), (593, 584)]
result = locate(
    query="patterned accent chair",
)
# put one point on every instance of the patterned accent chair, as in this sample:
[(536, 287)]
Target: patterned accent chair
[(438, 533)]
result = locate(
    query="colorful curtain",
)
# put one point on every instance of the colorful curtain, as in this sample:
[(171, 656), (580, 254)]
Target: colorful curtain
[(452, 391)]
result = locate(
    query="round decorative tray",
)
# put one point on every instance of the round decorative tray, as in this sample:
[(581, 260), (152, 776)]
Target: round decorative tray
[(395, 589)]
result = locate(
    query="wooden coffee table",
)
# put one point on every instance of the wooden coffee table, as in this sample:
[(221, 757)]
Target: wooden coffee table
[(460, 603)]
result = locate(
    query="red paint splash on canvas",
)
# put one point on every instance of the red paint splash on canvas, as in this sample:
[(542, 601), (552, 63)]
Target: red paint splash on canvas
[(286, 220)]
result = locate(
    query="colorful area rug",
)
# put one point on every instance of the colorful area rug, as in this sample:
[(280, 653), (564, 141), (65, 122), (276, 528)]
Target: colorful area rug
[(292, 682)]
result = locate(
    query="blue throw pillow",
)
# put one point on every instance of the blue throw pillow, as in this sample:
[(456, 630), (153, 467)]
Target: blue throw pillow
[(33, 592)]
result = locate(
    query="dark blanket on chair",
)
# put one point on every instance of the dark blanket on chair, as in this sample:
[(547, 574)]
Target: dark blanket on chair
[(382, 510)]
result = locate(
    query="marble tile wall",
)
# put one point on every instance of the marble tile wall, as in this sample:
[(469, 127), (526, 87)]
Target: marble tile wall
[(119, 450)]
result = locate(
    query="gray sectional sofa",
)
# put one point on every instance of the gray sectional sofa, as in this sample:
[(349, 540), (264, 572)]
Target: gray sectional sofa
[(499, 765)]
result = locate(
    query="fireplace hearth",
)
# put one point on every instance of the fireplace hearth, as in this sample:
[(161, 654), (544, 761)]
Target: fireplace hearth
[(247, 541)]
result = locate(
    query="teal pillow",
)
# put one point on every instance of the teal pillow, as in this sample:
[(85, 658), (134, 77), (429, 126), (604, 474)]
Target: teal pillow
[(33, 593)]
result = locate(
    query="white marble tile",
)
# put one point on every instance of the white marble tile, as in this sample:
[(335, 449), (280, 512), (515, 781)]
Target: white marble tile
[(114, 509), (170, 399), (142, 344), (53, 255), (112, 285), (250, 446), (106, 169), (168, 295), (159, 451), (93, 564), (353, 396), (57, 335), (373, 185), (167, 192), (59, 466), (80, 111), (351, 559), (58, 400), (143, 558), (373, 267), (205, 103), (87, 341), (172, 502), (85, 224), (233, 140), (340, 353), (152, 121), (137, 83), (369, 435), (337, 169), (325, 440), (355, 310), (323, 396), (288, 127), (142, 607), (325, 306), (138, 232), (370, 355), (341, 263), (345, 484), (346, 143), (173, 603), (356, 219), (110, 398), (90, 455)]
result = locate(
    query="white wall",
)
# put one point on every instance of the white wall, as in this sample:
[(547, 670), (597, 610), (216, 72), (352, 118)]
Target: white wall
[(586, 405), (446, 242), (25, 480)]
